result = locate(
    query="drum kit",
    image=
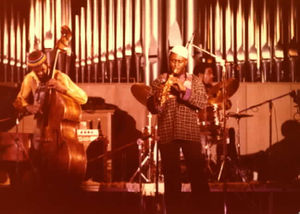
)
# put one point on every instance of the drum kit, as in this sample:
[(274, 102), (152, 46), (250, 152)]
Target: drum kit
[(211, 119)]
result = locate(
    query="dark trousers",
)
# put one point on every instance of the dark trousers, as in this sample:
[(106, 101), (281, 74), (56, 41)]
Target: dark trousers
[(196, 168)]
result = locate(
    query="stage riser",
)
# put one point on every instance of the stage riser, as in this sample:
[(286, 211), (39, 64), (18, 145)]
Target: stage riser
[(129, 203)]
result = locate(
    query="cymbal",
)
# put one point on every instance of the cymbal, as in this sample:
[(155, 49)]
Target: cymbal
[(215, 93), (141, 92), (238, 115)]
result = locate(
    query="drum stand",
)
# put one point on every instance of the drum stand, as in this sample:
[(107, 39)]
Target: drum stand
[(207, 152), (146, 154), (147, 158), (20, 151), (147, 161)]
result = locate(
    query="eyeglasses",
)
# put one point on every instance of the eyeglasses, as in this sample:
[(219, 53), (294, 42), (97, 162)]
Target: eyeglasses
[(177, 61)]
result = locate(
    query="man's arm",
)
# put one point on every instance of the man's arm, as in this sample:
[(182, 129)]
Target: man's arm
[(198, 96), (21, 103), (66, 86)]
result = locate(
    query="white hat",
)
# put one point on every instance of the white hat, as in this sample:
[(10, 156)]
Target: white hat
[(180, 50)]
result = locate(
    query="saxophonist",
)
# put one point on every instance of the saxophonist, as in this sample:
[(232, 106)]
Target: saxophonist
[(176, 98)]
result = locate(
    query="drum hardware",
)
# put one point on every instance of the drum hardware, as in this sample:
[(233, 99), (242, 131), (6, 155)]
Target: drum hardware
[(145, 144), (210, 117), (141, 92), (148, 142), (142, 162), (15, 151), (238, 116), (212, 122), (230, 166), (215, 93), (221, 93), (211, 160), (147, 155)]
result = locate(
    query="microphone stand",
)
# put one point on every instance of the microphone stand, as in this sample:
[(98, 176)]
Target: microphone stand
[(224, 94), (270, 102), (224, 136), (17, 143), (20, 148), (140, 147), (159, 205)]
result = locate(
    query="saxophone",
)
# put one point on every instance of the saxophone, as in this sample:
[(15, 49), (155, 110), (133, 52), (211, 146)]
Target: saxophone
[(165, 94)]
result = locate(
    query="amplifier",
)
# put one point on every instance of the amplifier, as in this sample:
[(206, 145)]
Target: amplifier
[(86, 136)]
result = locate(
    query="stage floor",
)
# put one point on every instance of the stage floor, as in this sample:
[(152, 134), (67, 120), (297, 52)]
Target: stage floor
[(149, 189), (125, 197)]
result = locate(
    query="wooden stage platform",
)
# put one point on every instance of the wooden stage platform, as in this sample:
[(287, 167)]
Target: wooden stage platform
[(149, 189), (125, 197)]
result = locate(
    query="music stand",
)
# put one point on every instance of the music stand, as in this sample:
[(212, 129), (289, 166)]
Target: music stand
[(238, 117)]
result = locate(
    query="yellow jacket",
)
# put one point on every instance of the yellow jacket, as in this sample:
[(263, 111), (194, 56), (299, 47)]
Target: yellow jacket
[(31, 83)]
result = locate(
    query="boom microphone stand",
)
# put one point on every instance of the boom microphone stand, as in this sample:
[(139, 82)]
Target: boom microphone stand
[(270, 102), (224, 94)]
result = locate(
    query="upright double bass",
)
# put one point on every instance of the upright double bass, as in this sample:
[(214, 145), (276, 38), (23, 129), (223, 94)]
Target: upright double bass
[(63, 158)]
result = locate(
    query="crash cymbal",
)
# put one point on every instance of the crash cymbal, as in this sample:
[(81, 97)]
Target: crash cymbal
[(238, 115), (141, 92), (215, 93)]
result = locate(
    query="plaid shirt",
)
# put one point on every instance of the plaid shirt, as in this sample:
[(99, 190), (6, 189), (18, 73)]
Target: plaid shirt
[(176, 120), (31, 83)]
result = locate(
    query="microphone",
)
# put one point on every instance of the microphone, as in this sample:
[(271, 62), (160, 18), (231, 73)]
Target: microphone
[(293, 94), (218, 58), (190, 41), (296, 97)]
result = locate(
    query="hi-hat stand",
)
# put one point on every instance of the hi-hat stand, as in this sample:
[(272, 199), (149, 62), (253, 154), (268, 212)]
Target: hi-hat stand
[(20, 151), (146, 159)]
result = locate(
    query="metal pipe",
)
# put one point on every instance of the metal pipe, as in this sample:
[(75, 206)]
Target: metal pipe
[(12, 53), (103, 52), (82, 43), (89, 39), (292, 66), (77, 53), (96, 39)]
